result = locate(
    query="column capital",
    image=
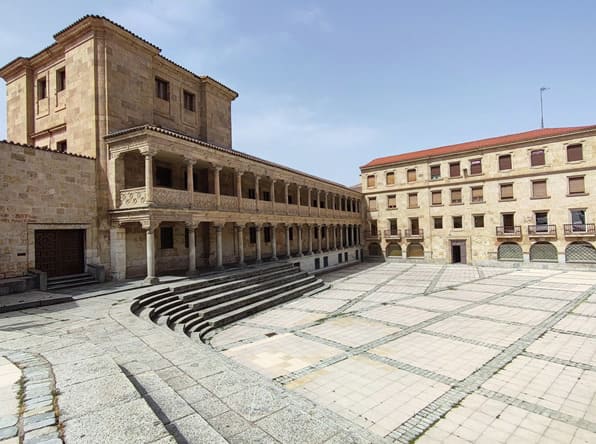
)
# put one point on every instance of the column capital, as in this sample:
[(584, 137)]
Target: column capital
[(239, 173), (148, 152), (240, 226), (191, 225), (216, 168), (190, 160), (218, 227), (149, 225), (287, 185), (258, 226)]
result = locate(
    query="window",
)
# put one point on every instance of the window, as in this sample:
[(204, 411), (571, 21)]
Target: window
[(61, 80), (251, 193), (477, 194), (576, 185), (415, 226), (541, 221), (436, 197), (166, 237), (391, 202), (162, 89), (411, 175), (578, 220), (373, 228), (267, 196), (189, 101), (163, 176), (537, 158), (372, 203), (326, 259), (371, 181), (457, 222), (438, 222), (539, 189), (508, 222), (476, 166), (413, 200), (454, 170), (505, 162), (252, 235), (61, 146), (267, 234), (574, 152), (456, 196), (390, 178), (435, 171), (42, 88), (506, 191), (290, 199), (314, 203), (393, 227), (479, 221)]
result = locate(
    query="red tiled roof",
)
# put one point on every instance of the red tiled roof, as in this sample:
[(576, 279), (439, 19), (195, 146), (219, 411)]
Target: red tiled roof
[(483, 143)]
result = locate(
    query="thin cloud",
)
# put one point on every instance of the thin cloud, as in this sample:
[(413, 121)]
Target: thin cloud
[(312, 16)]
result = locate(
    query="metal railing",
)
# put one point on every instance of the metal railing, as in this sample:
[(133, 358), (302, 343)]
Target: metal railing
[(580, 229), (392, 234), (509, 231), (542, 230), (414, 233)]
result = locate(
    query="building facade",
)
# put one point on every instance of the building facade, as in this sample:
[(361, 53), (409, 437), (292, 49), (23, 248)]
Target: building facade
[(528, 197), (170, 193)]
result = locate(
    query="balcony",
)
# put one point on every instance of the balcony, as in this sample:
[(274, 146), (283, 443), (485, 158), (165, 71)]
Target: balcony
[(416, 234), (393, 234), (580, 230), (542, 231), (372, 235), (509, 232)]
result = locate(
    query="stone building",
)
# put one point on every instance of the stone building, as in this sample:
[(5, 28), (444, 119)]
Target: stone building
[(169, 193), (527, 197)]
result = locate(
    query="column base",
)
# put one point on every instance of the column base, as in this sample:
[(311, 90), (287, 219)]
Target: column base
[(151, 280), (192, 273)]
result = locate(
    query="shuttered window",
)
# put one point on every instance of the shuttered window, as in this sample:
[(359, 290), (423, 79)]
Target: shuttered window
[(507, 191), (438, 222), (576, 185), (372, 204), (371, 181), (391, 203), (456, 196), (477, 194), (537, 158), (505, 162), (436, 198), (539, 188), (475, 166), (454, 170), (390, 178), (574, 152), (412, 175), (435, 171), (413, 200)]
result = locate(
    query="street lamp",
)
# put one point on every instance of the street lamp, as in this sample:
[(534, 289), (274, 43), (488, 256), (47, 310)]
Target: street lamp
[(542, 89)]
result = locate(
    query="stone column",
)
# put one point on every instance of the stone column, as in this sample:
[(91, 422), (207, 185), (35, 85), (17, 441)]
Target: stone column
[(272, 194), (258, 236), (150, 232), (239, 188), (327, 236), (298, 188), (240, 231), (217, 186), (257, 178), (118, 253), (320, 240), (288, 245), (310, 236), (341, 236), (300, 241), (192, 250), (287, 196), (190, 184), (273, 242), (219, 246), (149, 177), (309, 202), (319, 203), (116, 177)]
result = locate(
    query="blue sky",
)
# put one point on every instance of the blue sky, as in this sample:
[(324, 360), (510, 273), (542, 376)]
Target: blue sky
[(326, 86)]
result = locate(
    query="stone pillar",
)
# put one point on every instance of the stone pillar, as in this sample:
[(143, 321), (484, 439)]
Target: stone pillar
[(298, 188), (240, 231), (149, 177), (287, 196), (258, 236), (192, 250), (310, 236), (288, 245), (341, 236), (217, 186), (309, 201), (190, 180), (273, 242), (116, 177), (257, 178), (151, 277), (319, 203), (327, 236), (219, 246), (272, 194), (300, 240), (320, 239), (118, 253), (239, 188)]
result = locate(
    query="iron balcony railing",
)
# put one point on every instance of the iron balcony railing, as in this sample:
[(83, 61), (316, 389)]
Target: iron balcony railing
[(392, 234), (509, 231), (372, 234), (415, 234), (580, 229), (542, 230)]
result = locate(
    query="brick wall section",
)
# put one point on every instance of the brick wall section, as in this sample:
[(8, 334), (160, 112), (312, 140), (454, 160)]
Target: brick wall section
[(41, 187)]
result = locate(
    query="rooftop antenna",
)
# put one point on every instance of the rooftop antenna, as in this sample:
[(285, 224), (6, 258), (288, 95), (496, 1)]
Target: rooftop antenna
[(542, 89)]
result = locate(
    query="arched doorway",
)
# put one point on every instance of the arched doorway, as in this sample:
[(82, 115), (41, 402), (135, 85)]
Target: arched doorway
[(375, 250), (510, 251), (415, 249), (580, 252), (393, 250), (543, 252)]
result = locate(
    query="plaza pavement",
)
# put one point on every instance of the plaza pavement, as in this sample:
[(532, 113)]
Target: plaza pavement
[(392, 352)]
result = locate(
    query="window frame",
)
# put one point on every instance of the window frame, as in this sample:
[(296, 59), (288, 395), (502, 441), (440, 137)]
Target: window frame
[(473, 163), (537, 181), (189, 101), (576, 193), (408, 171), (394, 197), (162, 89), (437, 219), (60, 79), (42, 81), (501, 186), (459, 201), (387, 176), (510, 160), (415, 195), (581, 152), (456, 165), (474, 200), (543, 157), (372, 207), (436, 193), (435, 177), (461, 222), (368, 181), (474, 220)]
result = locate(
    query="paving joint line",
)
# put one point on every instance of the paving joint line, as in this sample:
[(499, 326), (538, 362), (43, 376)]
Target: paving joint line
[(555, 360)]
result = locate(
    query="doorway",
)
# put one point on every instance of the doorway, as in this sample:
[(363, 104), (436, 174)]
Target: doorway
[(60, 252), (458, 252)]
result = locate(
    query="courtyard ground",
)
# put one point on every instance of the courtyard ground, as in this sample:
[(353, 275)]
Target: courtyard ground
[(391, 352)]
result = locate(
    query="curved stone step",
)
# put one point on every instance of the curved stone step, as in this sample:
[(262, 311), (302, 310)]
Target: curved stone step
[(149, 298)]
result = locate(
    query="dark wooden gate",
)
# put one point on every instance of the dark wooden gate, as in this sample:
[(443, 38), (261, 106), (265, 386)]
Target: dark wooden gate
[(60, 252)]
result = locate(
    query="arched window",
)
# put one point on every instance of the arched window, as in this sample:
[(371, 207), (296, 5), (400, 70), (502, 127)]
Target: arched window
[(510, 251), (543, 252), (415, 250), (375, 250), (394, 250), (580, 252)]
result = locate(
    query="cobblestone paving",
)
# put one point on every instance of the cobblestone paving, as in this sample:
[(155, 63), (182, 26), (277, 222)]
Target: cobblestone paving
[(438, 353)]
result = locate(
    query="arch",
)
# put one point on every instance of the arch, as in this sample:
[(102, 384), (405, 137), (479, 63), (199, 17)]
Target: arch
[(543, 252), (393, 250), (415, 249), (510, 251), (580, 252), (374, 249)]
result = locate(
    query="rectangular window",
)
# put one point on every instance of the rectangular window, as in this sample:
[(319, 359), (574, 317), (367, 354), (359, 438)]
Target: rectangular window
[(574, 152), (162, 89), (393, 226), (189, 101), (576, 185), (61, 146), (457, 222), (373, 227), (479, 221), (326, 259), (435, 172), (477, 194), (456, 196), (541, 221), (413, 200), (391, 201), (252, 235), (371, 181), (476, 166), (390, 178), (372, 203), (505, 162), (506, 191), (42, 88), (436, 198), (508, 222), (454, 170), (267, 234), (163, 176), (266, 196), (539, 189), (166, 237), (537, 158), (578, 220), (411, 175), (251, 193), (61, 80), (438, 222)]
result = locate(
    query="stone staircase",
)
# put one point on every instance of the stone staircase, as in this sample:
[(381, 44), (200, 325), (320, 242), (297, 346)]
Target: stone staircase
[(71, 281), (198, 307)]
